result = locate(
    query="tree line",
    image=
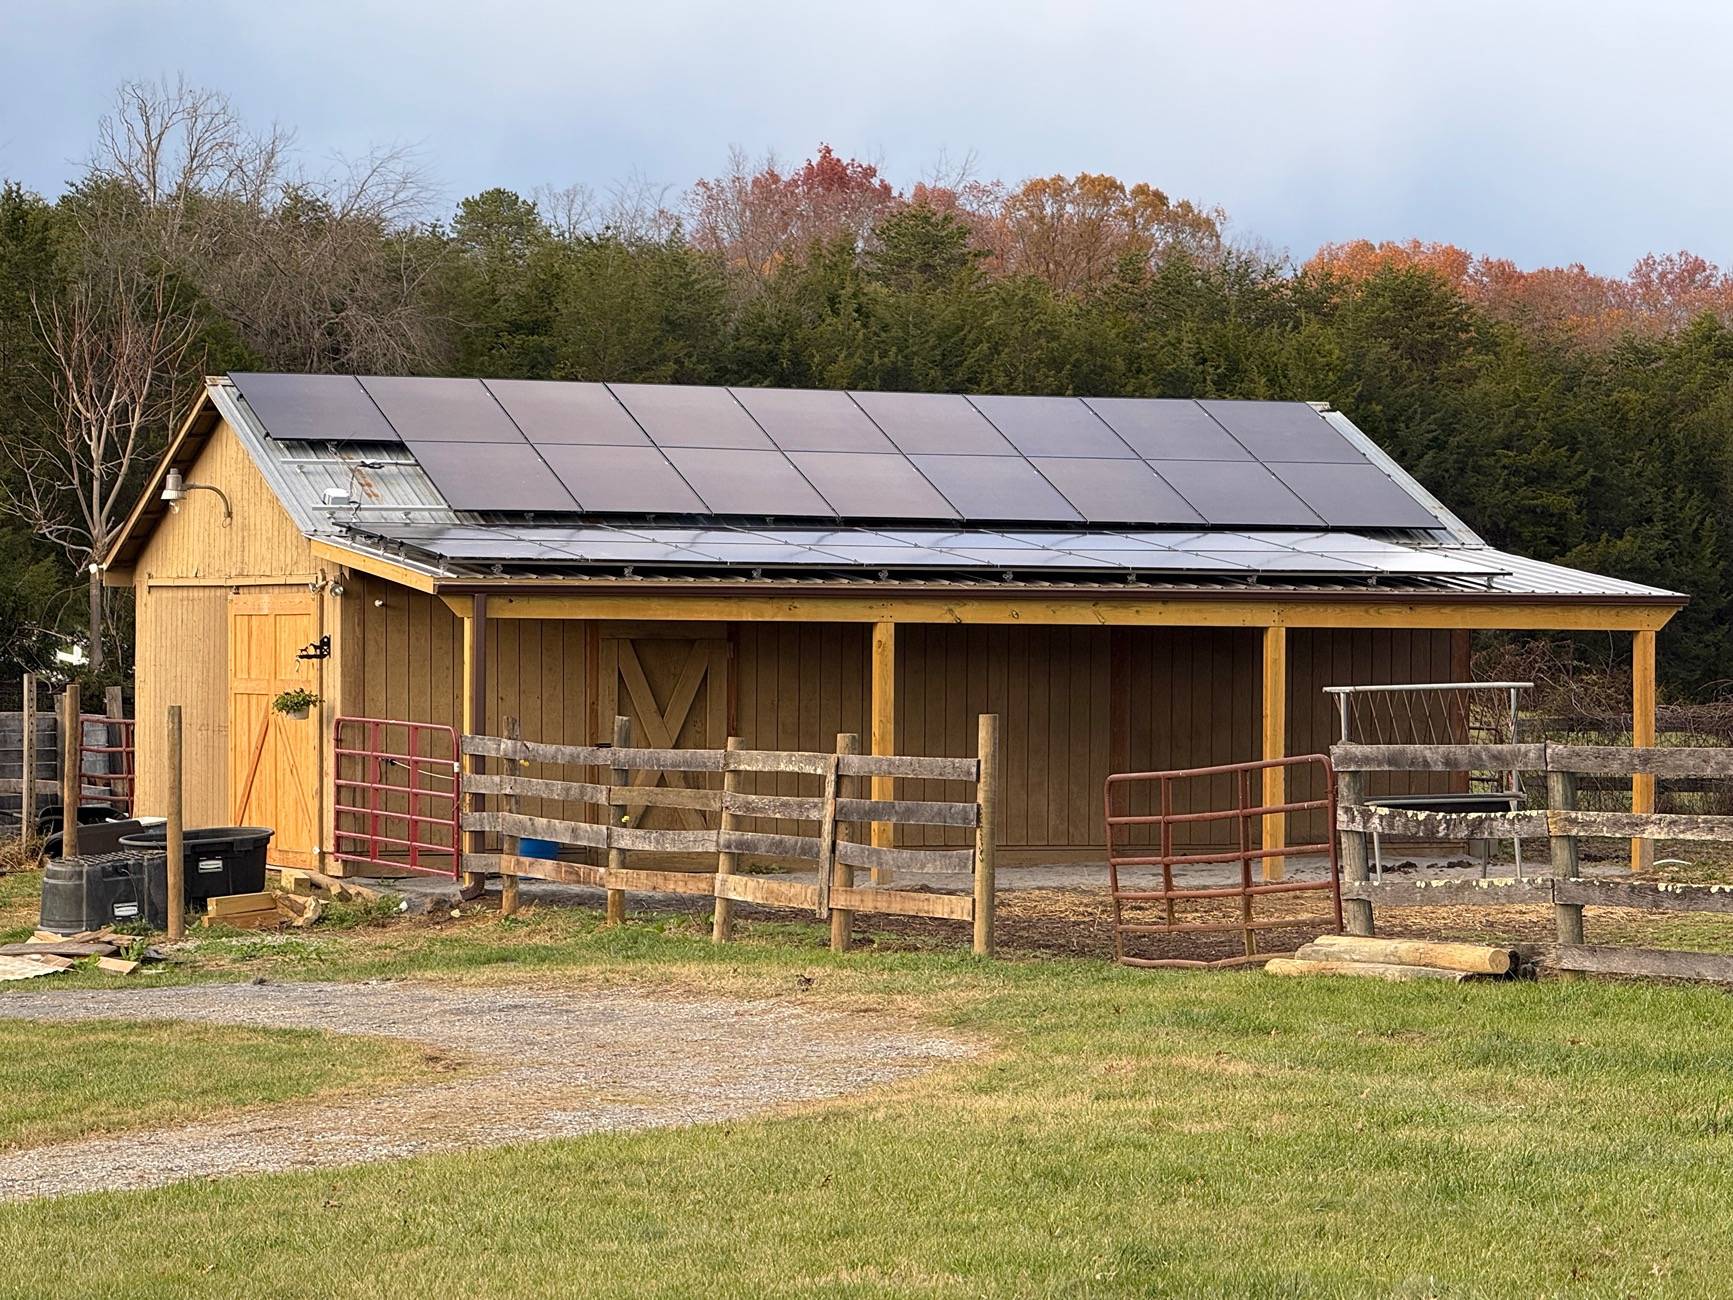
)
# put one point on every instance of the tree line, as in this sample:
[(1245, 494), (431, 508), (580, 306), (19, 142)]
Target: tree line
[(1567, 416)]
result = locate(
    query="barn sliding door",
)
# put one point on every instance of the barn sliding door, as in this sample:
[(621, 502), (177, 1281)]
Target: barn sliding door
[(674, 688), (274, 776)]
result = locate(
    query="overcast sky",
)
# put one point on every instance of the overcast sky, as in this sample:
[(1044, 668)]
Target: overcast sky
[(1546, 132)]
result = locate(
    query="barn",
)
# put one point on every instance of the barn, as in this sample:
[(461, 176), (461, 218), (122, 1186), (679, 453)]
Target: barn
[(1131, 584)]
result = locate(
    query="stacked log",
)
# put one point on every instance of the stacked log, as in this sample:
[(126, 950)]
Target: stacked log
[(1395, 959)]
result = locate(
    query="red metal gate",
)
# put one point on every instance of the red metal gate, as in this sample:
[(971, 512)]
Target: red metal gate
[(114, 771), (396, 796), (1248, 818)]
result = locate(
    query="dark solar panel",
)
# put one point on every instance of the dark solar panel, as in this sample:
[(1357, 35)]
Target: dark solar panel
[(550, 411), (933, 424), (622, 480), (441, 410), (1355, 496), (737, 482), (1166, 428), (1116, 491), (871, 485), (491, 476), (1274, 431), (995, 487), (799, 419), (1230, 493), (686, 415), (1052, 426), (309, 408)]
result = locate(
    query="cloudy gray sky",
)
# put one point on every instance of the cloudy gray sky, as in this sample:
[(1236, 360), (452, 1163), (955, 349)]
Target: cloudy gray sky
[(1539, 130)]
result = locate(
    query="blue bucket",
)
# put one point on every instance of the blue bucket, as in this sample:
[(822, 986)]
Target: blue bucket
[(546, 850)]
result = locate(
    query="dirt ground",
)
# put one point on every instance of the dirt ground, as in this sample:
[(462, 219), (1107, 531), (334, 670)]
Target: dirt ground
[(537, 1065)]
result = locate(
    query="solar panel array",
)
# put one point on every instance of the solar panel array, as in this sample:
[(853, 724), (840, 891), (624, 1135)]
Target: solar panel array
[(681, 450), (1325, 553)]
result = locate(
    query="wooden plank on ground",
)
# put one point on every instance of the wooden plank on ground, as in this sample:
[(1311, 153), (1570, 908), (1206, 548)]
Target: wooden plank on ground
[(116, 965), (61, 948), (1496, 892), (904, 902), (1654, 962), (1292, 966), (232, 904)]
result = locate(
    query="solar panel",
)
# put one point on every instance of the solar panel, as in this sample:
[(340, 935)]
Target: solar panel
[(441, 410), (1360, 496), (549, 411), (736, 482), (491, 476), (799, 419), (1229, 493), (622, 480), (1274, 431), (995, 487), (309, 408), (868, 485), (1165, 428), (1112, 491), (1052, 426), (687, 415), (933, 424)]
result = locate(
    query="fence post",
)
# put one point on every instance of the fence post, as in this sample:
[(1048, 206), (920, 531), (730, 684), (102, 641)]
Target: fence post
[(1561, 793), (986, 832), (71, 761), (173, 844), (508, 875), (619, 777), (1356, 912), (28, 763), (722, 922), (841, 918)]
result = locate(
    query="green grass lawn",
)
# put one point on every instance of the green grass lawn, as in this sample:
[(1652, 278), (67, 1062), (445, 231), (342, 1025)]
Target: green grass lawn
[(1129, 1134), (63, 1081)]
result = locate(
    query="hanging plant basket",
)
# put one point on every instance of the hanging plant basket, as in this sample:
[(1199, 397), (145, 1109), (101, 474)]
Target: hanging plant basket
[(297, 703)]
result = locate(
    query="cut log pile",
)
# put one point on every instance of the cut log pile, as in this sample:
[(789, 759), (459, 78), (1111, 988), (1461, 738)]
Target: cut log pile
[(297, 899), (1396, 959)]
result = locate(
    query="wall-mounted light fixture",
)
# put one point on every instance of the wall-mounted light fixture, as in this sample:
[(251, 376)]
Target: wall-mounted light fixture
[(175, 489)]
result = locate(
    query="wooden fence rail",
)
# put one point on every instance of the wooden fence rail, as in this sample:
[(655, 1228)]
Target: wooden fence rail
[(833, 848), (1561, 822)]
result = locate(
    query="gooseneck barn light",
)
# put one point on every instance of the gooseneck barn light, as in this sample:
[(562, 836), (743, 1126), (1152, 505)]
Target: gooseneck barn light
[(175, 489)]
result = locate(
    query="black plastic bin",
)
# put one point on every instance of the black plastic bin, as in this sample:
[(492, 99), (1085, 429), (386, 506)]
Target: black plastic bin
[(96, 837), (218, 860), (99, 889)]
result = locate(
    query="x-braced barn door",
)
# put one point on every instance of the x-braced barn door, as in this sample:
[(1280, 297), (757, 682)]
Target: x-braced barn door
[(274, 773), (674, 688)]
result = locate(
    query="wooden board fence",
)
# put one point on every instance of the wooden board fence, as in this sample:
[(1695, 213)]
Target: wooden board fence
[(1562, 823), (491, 789)]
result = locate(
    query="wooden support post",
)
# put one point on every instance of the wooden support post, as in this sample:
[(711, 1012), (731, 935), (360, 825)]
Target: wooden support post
[(618, 776), (1561, 793), (71, 763), (1356, 863), (884, 731), (28, 762), (841, 919), (174, 844), (1642, 736), (987, 833), (474, 722), (508, 899), (722, 922), (1275, 745)]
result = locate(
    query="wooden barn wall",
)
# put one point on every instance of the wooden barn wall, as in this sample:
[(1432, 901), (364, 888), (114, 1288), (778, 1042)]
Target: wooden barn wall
[(181, 585)]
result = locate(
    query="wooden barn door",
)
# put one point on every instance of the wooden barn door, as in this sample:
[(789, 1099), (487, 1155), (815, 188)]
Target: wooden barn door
[(274, 777), (674, 688)]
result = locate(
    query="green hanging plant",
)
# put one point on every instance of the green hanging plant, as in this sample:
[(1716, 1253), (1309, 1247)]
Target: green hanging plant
[(295, 703)]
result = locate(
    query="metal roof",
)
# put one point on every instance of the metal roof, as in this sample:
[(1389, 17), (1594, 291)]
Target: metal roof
[(375, 498)]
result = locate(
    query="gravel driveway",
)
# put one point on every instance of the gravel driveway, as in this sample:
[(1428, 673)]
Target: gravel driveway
[(541, 1065)]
